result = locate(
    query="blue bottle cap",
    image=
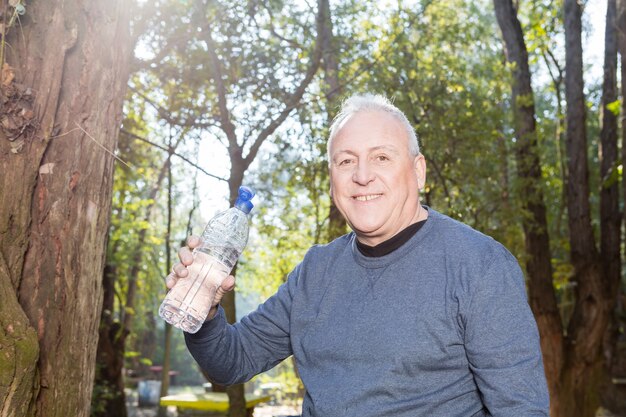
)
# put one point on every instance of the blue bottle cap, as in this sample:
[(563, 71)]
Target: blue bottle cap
[(244, 196)]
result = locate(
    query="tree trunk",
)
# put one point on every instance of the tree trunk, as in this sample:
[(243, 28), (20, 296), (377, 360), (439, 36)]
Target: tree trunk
[(330, 65), (61, 110), (583, 361), (118, 332), (167, 345), (106, 400), (610, 220), (537, 243), (610, 217), (619, 356), (239, 162)]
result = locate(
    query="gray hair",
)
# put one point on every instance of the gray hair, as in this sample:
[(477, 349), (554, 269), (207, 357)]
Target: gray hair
[(371, 102)]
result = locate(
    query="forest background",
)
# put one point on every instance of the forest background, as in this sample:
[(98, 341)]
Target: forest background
[(125, 125)]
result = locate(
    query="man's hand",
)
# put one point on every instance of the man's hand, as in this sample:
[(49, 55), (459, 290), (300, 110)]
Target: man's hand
[(180, 271)]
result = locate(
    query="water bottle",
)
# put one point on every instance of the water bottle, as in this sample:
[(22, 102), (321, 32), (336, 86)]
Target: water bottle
[(187, 304)]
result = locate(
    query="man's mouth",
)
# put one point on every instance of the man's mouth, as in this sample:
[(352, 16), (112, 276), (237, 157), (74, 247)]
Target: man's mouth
[(367, 197)]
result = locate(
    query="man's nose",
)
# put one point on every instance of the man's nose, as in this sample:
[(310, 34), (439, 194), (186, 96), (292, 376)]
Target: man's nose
[(363, 173)]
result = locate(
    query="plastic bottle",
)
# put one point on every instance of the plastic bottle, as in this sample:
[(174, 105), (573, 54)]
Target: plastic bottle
[(187, 304)]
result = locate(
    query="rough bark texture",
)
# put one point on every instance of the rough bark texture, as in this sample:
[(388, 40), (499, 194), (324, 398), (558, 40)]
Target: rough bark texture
[(610, 216), (541, 291), (583, 361), (619, 354), (610, 220), (70, 68)]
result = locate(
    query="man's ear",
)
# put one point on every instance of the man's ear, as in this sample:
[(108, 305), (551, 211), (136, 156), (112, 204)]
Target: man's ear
[(419, 164)]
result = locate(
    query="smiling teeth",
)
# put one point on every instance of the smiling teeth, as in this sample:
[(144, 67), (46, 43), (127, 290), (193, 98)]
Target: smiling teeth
[(367, 197)]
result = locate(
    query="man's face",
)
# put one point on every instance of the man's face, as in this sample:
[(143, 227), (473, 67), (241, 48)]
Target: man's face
[(375, 180)]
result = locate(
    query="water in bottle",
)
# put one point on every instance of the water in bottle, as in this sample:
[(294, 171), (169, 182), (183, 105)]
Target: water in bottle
[(187, 305)]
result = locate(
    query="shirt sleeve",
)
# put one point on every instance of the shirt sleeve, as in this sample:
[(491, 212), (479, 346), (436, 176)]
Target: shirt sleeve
[(502, 342), (232, 354)]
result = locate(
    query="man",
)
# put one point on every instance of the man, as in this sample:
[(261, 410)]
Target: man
[(411, 314)]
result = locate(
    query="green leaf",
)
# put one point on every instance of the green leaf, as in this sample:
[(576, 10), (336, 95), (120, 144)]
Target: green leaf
[(615, 107)]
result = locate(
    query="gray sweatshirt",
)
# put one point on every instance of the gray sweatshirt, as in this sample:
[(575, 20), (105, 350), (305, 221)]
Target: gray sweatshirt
[(438, 327)]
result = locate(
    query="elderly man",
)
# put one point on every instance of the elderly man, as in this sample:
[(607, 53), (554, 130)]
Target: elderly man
[(411, 314)]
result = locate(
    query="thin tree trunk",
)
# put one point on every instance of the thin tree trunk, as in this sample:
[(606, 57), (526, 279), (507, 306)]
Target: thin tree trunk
[(330, 64), (538, 266), (62, 89), (610, 221), (236, 146), (165, 376), (110, 356), (591, 315), (619, 354), (610, 217), (559, 129), (115, 404)]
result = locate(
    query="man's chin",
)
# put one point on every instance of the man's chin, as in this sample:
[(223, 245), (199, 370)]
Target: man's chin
[(366, 236)]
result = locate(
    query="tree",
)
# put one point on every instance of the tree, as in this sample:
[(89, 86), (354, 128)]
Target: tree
[(249, 65), (330, 61), (593, 309), (573, 359), (117, 324), (610, 216), (537, 241), (61, 111)]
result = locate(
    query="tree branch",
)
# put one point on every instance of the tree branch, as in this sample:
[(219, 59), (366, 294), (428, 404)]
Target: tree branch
[(216, 69), (163, 148), (167, 116), (293, 100)]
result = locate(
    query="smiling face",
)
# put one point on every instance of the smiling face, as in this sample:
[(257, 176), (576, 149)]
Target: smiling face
[(375, 180)]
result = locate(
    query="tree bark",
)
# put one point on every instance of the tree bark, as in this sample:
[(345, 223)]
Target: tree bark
[(591, 315), (62, 93), (619, 356), (330, 65), (610, 220), (610, 217), (537, 243)]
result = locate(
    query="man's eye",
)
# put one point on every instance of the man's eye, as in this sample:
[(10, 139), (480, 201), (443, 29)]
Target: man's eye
[(382, 158), (344, 162)]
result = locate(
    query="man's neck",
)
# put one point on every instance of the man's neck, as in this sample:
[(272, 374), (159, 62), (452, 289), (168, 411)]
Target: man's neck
[(391, 244)]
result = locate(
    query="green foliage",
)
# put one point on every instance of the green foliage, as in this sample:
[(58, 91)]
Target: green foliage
[(615, 107), (446, 75), (102, 393)]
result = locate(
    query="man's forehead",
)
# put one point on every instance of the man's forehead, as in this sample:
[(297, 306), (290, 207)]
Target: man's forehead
[(386, 147)]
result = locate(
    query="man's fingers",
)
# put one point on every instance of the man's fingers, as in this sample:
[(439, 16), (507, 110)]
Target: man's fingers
[(170, 281), (180, 270), (229, 283), (185, 256), (193, 242)]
